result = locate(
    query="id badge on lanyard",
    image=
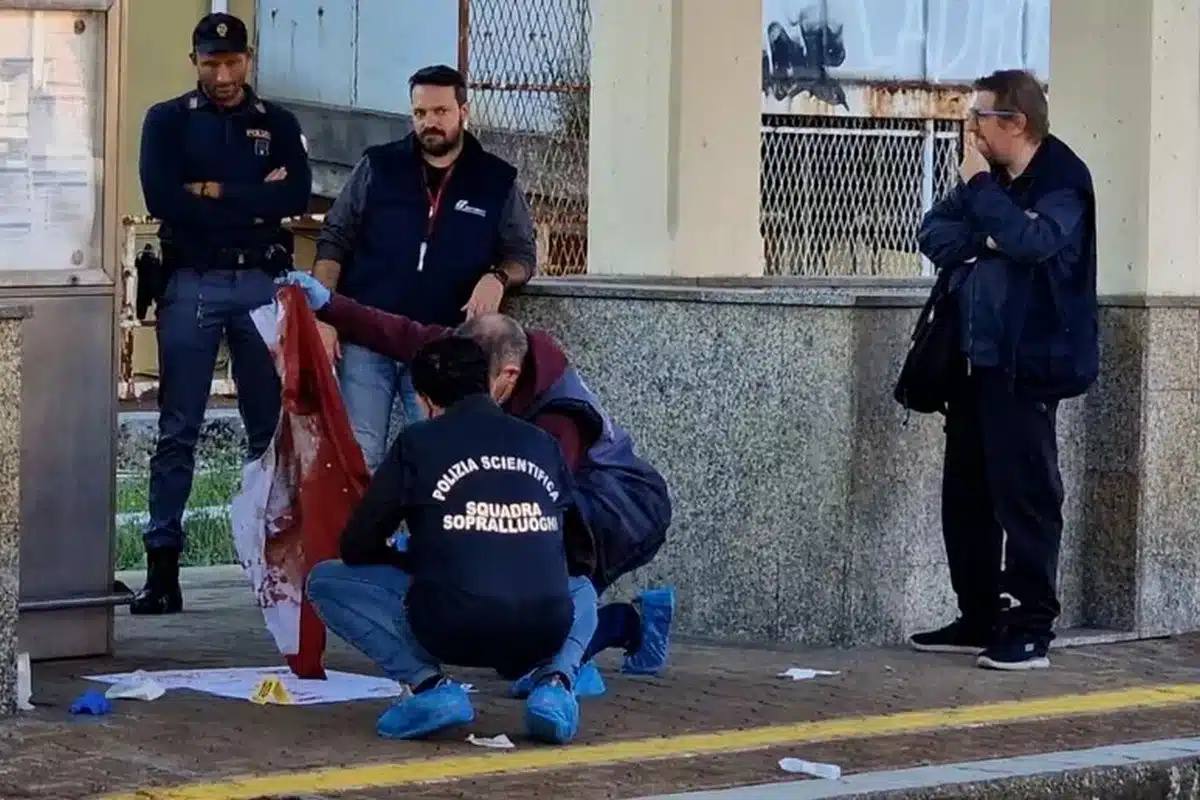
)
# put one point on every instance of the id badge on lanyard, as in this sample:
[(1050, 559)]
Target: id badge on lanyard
[(435, 207)]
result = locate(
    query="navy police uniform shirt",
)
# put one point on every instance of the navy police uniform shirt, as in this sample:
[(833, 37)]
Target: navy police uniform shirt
[(190, 139), (487, 498)]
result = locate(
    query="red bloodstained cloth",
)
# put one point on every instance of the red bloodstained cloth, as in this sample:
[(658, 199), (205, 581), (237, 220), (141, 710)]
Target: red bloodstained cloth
[(296, 499)]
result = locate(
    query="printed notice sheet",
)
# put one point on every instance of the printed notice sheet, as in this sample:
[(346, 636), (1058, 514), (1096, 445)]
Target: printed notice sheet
[(51, 107)]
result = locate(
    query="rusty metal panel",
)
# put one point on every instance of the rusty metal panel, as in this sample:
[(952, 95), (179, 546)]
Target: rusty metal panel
[(881, 99), (894, 58)]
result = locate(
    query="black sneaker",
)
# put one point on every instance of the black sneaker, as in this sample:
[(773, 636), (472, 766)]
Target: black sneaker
[(1017, 653), (954, 638)]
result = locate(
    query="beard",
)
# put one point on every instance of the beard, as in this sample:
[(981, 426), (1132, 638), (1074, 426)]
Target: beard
[(223, 93), (437, 142)]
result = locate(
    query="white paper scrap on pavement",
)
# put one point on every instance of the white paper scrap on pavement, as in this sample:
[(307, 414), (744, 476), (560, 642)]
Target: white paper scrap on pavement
[(501, 742), (138, 686), (804, 674), (239, 683), (828, 771), (24, 683)]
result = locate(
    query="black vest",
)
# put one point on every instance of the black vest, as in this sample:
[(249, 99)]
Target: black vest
[(489, 496), (464, 245)]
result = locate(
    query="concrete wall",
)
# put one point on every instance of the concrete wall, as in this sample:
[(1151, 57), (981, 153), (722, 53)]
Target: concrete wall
[(1127, 96), (10, 500), (807, 511)]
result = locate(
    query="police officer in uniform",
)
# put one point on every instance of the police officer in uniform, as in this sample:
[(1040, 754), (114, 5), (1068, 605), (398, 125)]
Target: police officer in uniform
[(495, 573), (219, 168)]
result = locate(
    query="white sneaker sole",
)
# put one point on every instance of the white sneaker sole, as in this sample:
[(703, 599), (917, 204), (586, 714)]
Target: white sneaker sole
[(952, 649), (1014, 666)]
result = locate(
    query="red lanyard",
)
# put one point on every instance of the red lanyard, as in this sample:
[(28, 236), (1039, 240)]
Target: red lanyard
[(435, 198)]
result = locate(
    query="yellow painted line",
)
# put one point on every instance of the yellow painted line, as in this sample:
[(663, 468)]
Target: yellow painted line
[(450, 768)]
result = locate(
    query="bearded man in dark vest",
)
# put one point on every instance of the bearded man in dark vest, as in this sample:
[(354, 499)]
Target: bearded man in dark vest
[(431, 226)]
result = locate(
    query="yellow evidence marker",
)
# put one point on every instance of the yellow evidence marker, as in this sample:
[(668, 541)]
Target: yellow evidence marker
[(271, 690)]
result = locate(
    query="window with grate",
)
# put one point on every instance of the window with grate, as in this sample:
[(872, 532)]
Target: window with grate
[(845, 196)]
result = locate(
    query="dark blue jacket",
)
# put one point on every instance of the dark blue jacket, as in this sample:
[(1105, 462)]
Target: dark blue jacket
[(488, 502), (1029, 305), (465, 242), (624, 500), (189, 139)]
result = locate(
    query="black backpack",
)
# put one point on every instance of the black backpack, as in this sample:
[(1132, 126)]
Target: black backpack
[(934, 355)]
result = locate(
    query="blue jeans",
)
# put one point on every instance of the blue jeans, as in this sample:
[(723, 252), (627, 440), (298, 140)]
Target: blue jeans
[(365, 607), (196, 311), (370, 384)]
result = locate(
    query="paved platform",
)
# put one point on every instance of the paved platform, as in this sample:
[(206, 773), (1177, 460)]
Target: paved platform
[(720, 717)]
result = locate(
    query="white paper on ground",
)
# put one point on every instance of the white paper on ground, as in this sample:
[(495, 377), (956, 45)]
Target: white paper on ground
[(24, 683), (138, 686), (830, 771), (804, 674), (239, 683), (501, 742)]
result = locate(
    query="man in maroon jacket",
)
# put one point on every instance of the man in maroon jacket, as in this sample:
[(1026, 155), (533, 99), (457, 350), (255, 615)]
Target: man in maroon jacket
[(624, 500)]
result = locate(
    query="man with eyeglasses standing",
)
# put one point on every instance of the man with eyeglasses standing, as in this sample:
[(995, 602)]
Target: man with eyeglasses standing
[(1019, 234)]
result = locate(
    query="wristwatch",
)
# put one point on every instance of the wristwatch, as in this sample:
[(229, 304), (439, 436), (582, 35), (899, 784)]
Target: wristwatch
[(500, 275)]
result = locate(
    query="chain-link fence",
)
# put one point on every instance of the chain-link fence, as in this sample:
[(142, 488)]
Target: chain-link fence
[(845, 196), (528, 64)]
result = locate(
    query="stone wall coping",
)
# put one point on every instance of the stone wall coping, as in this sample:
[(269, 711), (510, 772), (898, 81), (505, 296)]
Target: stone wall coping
[(747, 291), (836, 292), (15, 312)]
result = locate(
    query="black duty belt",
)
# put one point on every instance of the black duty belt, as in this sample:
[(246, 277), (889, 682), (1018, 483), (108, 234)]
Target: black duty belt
[(272, 258)]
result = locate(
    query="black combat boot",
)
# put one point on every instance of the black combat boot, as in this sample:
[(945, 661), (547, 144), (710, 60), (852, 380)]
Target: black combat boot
[(162, 593)]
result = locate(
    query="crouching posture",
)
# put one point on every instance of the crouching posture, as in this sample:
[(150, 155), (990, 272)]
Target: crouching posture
[(624, 500), (496, 570)]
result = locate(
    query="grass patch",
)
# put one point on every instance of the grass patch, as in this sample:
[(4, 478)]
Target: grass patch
[(214, 487), (209, 538), (209, 543)]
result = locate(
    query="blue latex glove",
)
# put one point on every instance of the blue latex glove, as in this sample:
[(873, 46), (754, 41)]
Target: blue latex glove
[(94, 703), (314, 291)]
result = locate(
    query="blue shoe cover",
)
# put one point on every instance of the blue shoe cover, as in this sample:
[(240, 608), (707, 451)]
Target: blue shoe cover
[(523, 685), (589, 682), (657, 608), (552, 713), (430, 711)]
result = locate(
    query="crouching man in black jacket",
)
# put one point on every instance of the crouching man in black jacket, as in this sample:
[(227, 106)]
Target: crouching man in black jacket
[(488, 579)]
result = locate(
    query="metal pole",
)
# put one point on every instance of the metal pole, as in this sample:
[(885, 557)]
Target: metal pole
[(464, 31), (928, 165)]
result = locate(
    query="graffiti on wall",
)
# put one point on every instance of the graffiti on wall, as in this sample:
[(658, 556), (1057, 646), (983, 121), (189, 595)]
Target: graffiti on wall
[(799, 52), (833, 56)]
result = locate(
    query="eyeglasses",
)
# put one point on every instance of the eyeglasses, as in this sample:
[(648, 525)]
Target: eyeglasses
[(980, 113)]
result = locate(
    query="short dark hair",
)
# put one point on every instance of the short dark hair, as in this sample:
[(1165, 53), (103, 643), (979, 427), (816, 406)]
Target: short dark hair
[(450, 369), (500, 336), (440, 75), (1019, 91)]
